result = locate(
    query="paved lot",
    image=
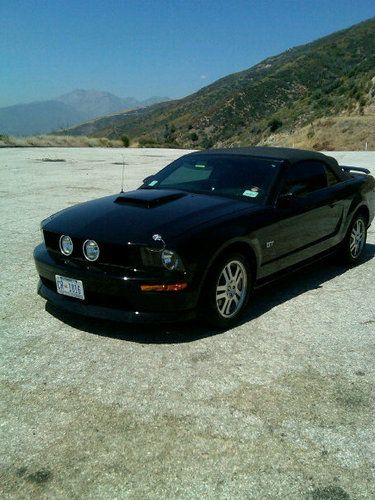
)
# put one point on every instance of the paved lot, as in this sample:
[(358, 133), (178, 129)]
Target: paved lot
[(280, 407)]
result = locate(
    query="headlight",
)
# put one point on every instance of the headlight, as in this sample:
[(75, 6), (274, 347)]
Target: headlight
[(66, 245), (165, 258), (170, 260), (91, 250)]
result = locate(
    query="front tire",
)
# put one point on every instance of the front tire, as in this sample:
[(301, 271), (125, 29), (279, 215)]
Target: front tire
[(355, 240), (227, 291)]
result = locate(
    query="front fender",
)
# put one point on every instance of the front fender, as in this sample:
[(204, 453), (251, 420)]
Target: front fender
[(205, 250)]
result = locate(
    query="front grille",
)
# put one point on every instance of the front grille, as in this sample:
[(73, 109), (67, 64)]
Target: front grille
[(117, 255), (92, 298), (51, 240)]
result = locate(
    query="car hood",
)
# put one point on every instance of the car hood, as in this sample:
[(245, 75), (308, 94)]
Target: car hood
[(134, 217)]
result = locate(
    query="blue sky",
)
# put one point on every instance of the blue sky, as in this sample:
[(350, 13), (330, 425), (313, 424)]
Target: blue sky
[(143, 48)]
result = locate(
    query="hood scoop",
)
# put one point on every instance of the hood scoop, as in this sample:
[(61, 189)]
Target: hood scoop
[(148, 198)]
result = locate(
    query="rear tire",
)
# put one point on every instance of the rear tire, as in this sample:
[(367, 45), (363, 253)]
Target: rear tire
[(355, 241), (226, 293)]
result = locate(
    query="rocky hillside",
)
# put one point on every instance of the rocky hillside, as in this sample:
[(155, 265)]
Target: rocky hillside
[(333, 76)]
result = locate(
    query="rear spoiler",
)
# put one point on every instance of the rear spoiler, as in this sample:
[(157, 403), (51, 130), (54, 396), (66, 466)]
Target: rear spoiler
[(355, 169)]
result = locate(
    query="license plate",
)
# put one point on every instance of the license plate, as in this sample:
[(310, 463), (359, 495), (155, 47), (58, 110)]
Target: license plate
[(70, 287)]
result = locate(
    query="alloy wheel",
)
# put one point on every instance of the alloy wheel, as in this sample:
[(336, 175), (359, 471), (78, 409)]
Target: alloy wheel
[(231, 289), (357, 238)]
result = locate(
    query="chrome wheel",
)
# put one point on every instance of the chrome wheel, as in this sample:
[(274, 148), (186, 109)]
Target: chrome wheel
[(357, 238), (231, 289)]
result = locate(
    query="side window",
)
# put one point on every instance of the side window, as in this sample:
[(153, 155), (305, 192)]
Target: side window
[(304, 178)]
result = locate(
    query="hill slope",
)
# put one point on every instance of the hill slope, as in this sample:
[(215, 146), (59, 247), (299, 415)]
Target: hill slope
[(64, 111), (328, 77), (94, 103), (38, 117)]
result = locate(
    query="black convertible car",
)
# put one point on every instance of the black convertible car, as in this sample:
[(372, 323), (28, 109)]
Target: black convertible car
[(197, 237)]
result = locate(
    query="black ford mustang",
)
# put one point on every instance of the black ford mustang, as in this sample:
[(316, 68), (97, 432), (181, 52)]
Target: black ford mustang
[(198, 236)]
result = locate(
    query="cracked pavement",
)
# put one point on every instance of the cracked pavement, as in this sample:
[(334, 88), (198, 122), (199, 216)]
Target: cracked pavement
[(281, 406)]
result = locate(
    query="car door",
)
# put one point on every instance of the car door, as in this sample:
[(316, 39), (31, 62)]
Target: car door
[(310, 213)]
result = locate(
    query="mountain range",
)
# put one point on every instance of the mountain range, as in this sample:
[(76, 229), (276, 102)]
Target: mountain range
[(299, 89), (65, 111)]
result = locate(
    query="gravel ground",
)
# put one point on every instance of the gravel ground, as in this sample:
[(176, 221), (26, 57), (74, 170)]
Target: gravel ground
[(279, 407)]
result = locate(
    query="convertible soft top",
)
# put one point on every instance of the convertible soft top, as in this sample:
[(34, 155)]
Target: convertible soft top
[(287, 154)]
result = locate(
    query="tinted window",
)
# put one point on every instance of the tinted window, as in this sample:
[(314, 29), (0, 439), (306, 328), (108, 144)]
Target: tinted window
[(241, 177), (305, 177)]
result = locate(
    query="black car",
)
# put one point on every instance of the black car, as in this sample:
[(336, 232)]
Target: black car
[(197, 237)]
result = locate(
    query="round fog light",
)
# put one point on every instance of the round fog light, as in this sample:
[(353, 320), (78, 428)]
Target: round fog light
[(66, 245), (91, 250)]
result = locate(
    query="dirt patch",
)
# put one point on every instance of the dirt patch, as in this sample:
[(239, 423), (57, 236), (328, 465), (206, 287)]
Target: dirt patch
[(53, 160)]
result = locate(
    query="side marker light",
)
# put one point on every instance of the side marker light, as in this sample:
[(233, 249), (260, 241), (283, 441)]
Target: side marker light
[(174, 287)]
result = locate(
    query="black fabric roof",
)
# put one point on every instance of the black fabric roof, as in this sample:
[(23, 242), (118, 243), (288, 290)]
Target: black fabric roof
[(287, 154)]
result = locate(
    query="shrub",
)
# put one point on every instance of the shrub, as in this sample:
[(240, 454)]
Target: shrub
[(146, 141), (323, 146), (275, 124), (104, 142), (362, 101), (310, 133), (207, 142), (169, 133), (125, 141)]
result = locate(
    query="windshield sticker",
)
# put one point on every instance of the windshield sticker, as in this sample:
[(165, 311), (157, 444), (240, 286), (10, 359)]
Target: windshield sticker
[(153, 183), (200, 165), (250, 193)]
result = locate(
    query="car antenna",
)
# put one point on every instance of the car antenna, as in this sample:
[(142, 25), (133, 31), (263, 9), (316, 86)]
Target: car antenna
[(122, 175)]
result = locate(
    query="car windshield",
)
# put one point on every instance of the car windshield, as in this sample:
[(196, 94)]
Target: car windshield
[(240, 177)]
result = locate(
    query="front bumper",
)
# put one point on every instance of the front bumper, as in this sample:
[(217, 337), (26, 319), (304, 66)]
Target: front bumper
[(113, 295)]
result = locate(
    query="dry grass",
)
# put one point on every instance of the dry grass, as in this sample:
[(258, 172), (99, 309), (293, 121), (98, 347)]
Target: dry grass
[(59, 141), (339, 133)]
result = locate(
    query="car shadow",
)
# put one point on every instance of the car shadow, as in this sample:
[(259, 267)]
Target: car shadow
[(296, 283), (300, 281)]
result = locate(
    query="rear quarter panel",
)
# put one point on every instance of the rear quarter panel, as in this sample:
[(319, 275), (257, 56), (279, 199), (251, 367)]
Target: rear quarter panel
[(359, 191)]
